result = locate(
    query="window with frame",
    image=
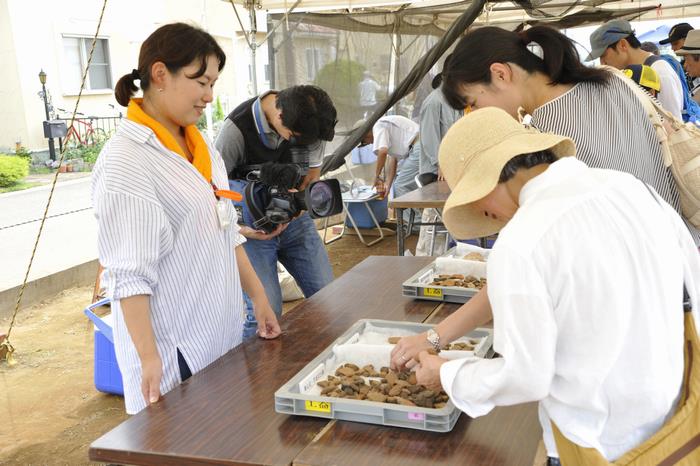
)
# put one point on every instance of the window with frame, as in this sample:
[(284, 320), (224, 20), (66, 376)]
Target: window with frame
[(76, 53)]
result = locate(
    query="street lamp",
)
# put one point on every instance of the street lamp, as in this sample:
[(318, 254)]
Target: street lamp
[(42, 79)]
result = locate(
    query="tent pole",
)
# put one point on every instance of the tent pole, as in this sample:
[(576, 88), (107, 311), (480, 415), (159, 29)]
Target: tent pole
[(408, 84), (250, 5)]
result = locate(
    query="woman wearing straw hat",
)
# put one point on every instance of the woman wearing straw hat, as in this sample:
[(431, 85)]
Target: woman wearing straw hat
[(539, 70), (574, 316)]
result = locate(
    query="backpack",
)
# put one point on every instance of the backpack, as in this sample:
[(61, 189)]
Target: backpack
[(691, 109), (680, 147)]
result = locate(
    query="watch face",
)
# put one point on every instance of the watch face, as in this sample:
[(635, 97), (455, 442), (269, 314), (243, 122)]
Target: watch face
[(433, 337)]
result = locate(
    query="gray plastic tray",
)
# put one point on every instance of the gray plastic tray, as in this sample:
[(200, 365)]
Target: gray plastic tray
[(292, 399), (419, 286)]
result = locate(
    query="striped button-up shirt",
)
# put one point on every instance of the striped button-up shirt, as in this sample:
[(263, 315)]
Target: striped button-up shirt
[(159, 235), (611, 130)]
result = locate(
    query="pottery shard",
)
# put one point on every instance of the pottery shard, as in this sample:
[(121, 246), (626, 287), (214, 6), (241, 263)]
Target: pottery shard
[(327, 390), (392, 378), (369, 368), (323, 383), (403, 383), (376, 396), (384, 370), (391, 399), (395, 390), (404, 402), (439, 405), (474, 256), (415, 389), (427, 393), (394, 340), (352, 366), (346, 371), (412, 378), (364, 389)]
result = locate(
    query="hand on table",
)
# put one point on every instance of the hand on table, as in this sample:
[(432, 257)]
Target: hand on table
[(405, 353), (151, 373), (428, 370), (268, 327), (441, 177)]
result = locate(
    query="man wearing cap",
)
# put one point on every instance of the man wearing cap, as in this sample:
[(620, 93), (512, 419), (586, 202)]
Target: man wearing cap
[(574, 316), (676, 36), (616, 45), (691, 51)]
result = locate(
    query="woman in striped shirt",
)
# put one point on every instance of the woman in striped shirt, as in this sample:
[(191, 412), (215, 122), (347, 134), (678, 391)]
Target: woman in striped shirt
[(539, 71), (167, 236)]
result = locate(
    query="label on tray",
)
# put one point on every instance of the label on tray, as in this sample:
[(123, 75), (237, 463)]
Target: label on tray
[(310, 380), (433, 292), (318, 406), (416, 416)]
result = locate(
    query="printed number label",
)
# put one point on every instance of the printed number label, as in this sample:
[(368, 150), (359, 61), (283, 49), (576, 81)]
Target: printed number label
[(434, 292), (319, 406)]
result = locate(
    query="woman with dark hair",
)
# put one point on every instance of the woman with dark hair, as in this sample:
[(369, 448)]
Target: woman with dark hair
[(167, 235), (539, 71)]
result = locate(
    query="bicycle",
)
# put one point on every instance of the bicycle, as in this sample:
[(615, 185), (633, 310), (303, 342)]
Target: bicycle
[(82, 133)]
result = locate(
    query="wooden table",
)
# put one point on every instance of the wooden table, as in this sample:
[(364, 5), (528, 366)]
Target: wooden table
[(225, 413), (431, 196)]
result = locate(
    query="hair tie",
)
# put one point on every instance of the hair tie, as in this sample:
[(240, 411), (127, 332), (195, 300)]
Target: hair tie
[(535, 49), (135, 74)]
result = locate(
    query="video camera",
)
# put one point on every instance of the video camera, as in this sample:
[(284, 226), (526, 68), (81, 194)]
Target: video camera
[(272, 199)]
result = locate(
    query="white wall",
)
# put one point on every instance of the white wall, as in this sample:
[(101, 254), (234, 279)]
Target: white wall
[(31, 39), (12, 117)]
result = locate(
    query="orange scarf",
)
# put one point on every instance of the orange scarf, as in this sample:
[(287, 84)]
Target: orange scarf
[(195, 142)]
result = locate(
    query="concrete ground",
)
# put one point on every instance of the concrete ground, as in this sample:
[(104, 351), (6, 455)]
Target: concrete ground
[(68, 240)]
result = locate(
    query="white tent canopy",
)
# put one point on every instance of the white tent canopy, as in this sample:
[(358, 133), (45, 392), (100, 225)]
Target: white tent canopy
[(495, 12)]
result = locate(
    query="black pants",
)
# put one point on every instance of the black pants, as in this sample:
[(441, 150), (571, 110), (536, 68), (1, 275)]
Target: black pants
[(185, 372), (553, 461)]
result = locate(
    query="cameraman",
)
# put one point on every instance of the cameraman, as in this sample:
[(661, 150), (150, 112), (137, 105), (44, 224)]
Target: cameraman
[(278, 127)]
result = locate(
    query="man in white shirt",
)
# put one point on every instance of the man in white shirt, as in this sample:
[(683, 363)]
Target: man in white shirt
[(395, 137), (616, 45), (586, 302), (368, 93)]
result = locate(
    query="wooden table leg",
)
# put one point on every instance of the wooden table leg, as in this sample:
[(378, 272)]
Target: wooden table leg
[(399, 229)]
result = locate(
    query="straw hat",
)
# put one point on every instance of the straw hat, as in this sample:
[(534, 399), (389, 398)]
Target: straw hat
[(472, 155), (691, 45)]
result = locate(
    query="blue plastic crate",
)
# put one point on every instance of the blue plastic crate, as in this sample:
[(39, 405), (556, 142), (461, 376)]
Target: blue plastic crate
[(361, 215), (108, 377)]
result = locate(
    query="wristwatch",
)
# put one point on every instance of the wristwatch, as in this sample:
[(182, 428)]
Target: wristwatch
[(434, 339)]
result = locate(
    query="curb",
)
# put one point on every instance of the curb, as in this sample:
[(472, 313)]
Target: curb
[(47, 287)]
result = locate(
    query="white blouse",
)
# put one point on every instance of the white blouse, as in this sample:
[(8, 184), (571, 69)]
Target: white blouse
[(585, 283), (159, 235)]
